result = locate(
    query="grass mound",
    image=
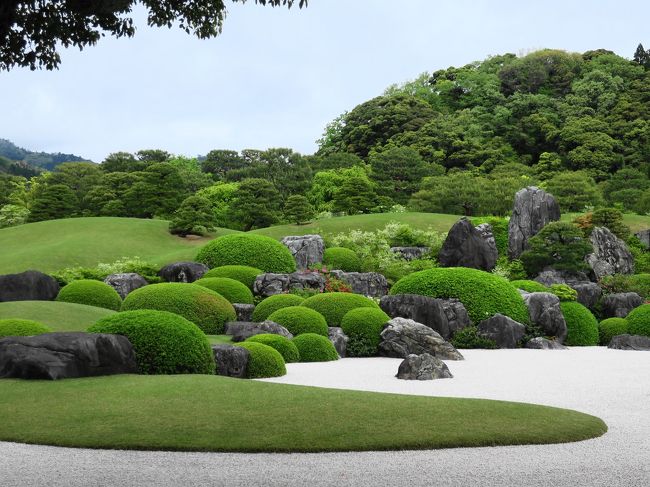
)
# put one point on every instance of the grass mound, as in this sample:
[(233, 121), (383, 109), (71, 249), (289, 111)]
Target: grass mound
[(242, 273), (90, 293), (363, 326), (609, 328), (264, 361), (342, 259), (333, 306), (273, 303), (315, 348), (59, 316), (23, 328), (581, 324), (283, 345), (234, 291), (530, 286), (639, 320), (300, 319)]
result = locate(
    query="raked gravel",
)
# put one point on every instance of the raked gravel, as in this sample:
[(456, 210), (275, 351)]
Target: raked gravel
[(611, 384)]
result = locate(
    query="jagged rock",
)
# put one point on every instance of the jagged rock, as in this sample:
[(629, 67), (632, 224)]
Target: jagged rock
[(544, 311), (53, 356), (445, 316), (402, 337), (541, 343), (244, 311), (610, 256), (183, 271), (466, 247), (370, 284), (505, 331), (306, 249), (125, 283), (338, 339), (619, 305), (485, 229), (630, 342), (411, 253), (588, 293), (423, 367), (270, 284), (241, 330), (231, 361), (533, 209), (28, 286), (644, 237)]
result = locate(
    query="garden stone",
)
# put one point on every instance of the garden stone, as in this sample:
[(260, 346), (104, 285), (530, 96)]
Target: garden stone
[(372, 284), (307, 250), (610, 256), (423, 367), (241, 330), (619, 305), (550, 276), (231, 361), (485, 229), (644, 237), (503, 330), (544, 311), (270, 284), (28, 286), (402, 337), (53, 356), (338, 339), (183, 271), (541, 343), (533, 209), (411, 253), (125, 283), (244, 311), (588, 293), (466, 247), (630, 342)]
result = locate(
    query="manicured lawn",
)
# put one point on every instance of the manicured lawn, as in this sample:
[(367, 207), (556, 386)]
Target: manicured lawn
[(212, 413), (57, 315), (214, 339)]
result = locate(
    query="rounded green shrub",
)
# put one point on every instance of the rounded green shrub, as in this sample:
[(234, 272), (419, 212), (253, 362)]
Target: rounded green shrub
[(483, 294), (638, 320), (205, 308), (14, 327), (315, 348), (299, 319), (363, 326), (164, 343), (242, 273), (273, 303), (286, 347), (334, 306), (564, 292), (264, 361), (609, 328), (91, 293), (342, 259), (234, 291), (529, 286), (582, 326), (247, 249)]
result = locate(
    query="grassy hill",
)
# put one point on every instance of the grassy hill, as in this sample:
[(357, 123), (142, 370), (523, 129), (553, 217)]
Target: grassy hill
[(57, 315)]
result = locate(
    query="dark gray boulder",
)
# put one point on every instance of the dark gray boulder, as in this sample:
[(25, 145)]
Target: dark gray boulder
[(630, 342), (241, 330), (644, 237), (338, 339), (505, 331), (423, 367), (183, 271), (466, 247), (231, 361), (307, 250), (244, 311), (588, 293), (445, 316), (486, 231), (610, 256), (53, 356), (411, 253), (533, 209), (125, 283), (541, 343), (372, 284), (28, 286), (551, 276), (402, 337), (544, 311), (619, 305), (270, 284)]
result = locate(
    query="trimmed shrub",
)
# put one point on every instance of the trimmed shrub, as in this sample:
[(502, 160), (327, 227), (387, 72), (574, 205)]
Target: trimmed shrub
[(164, 342), (252, 250), (264, 361), (363, 326), (468, 337), (342, 259), (91, 293), (242, 273), (286, 347), (315, 348), (300, 319), (234, 291), (582, 326), (334, 306), (638, 320), (14, 327), (530, 286), (205, 308), (483, 294), (274, 303), (564, 292), (609, 328)]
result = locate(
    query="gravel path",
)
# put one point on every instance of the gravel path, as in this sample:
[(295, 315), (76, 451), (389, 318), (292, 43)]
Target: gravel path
[(611, 384)]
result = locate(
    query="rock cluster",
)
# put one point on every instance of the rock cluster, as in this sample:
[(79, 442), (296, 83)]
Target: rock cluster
[(423, 367), (610, 255), (533, 209), (307, 250), (183, 271), (541, 343), (465, 246), (402, 337), (588, 292), (28, 286)]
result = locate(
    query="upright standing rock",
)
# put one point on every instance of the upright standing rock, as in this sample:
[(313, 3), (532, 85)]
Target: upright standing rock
[(505, 331), (466, 247), (534, 208), (307, 250), (610, 256), (544, 311)]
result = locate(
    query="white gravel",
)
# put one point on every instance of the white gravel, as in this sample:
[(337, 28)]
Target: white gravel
[(614, 385)]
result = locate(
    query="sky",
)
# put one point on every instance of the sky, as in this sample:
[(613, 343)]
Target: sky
[(276, 77)]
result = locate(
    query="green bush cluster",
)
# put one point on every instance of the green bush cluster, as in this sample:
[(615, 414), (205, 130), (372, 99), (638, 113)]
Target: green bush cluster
[(559, 245), (582, 326), (234, 291), (299, 320), (363, 326), (91, 293), (468, 337), (164, 343), (529, 286), (609, 328), (273, 303), (334, 306), (342, 259), (103, 270), (264, 361), (639, 320), (283, 345), (242, 273), (621, 283), (315, 348), (14, 327), (564, 292)]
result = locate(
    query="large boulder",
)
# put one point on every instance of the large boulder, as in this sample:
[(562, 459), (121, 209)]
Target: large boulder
[(533, 209), (588, 292), (541, 343), (630, 342), (231, 361), (241, 330), (307, 250), (411, 253), (544, 311), (619, 305), (644, 237), (372, 284), (124, 283), (244, 311), (28, 286), (610, 256), (423, 367), (338, 339), (183, 271), (466, 247), (402, 337), (270, 284), (505, 331), (54, 356), (445, 316)]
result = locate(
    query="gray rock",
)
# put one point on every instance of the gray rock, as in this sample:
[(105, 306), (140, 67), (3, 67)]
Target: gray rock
[(630, 342), (28, 286), (644, 237), (541, 343), (588, 293), (244, 311), (53, 356), (338, 339), (411, 253), (125, 283), (466, 247), (445, 316), (423, 367), (270, 284), (231, 361), (402, 337), (241, 330), (370, 284), (610, 256), (306, 249), (505, 331), (183, 271), (551, 276), (619, 305), (533, 209), (544, 311), (485, 229)]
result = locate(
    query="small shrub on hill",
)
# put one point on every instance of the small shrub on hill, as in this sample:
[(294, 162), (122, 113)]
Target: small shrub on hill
[(264, 361), (639, 320), (564, 292), (342, 259), (242, 273), (530, 286), (363, 326), (558, 245), (315, 348), (468, 337), (609, 328), (14, 327), (620, 283), (91, 293), (283, 345)]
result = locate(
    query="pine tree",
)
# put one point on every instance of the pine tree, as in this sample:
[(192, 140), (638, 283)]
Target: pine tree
[(642, 57), (52, 202), (298, 210), (256, 206), (193, 216)]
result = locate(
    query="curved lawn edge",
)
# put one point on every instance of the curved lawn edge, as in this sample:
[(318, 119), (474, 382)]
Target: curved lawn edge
[(219, 414), (58, 315)]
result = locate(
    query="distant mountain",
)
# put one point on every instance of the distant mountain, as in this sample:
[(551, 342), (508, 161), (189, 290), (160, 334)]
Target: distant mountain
[(40, 160)]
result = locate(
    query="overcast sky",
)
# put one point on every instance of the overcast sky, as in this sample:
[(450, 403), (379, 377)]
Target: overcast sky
[(274, 78)]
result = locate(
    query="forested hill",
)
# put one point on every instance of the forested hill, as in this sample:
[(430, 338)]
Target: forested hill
[(42, 160)]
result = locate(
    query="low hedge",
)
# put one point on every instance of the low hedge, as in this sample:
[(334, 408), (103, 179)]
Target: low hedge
[(164, 342), (91, 293), (582, 326), (14, 327), (264, 361), (639, 320), (273, 303), (315, 348), (334, 306), (242, 273), (530, 286), (363, 326), (609, 328), (468, 337), (283, 345), (299, 320), (342, 258), (234, 291)]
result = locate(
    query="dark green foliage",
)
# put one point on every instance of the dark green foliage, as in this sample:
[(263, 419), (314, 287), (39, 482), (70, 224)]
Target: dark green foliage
[(356, 195), (397, 171), (274, 303), (194, 216), (264, 361), (530, 286), (582, 326), (342, 259), (609, 328), (468, 337), (14, 327), (564, 292), (334, 306), (283, 345), (159, 192), (642, 57), (499, 230), (257, 204), (315, 348), (53, 202), (483, 294), (164, 343), (298, 210), (299, 320), (242, 273), (620, 283), (574, 191), (91, 293), (203, 307), (639, 320), (612, 219), (363, 326), (231, 289)]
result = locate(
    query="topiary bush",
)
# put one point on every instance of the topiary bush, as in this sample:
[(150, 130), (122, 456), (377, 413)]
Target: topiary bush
[(609, 328), (315, 348), (363, 326), (234, 291), (242, 273), (300, 319), (468, 337), (582, 326), (530, 286), (252, 250), (638, 320), (91, 293), (202, 306), (15, 327), (342, 259), (334, 306), (264, 361), (283, 345), (483, 294), (164, 342), (273, 303), (621, 283)]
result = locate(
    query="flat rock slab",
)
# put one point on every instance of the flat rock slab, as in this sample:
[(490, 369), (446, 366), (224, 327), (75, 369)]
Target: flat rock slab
[(241, 330), (28, 286), (630, 342), (402, 337), (423, 367), (231, 361)]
